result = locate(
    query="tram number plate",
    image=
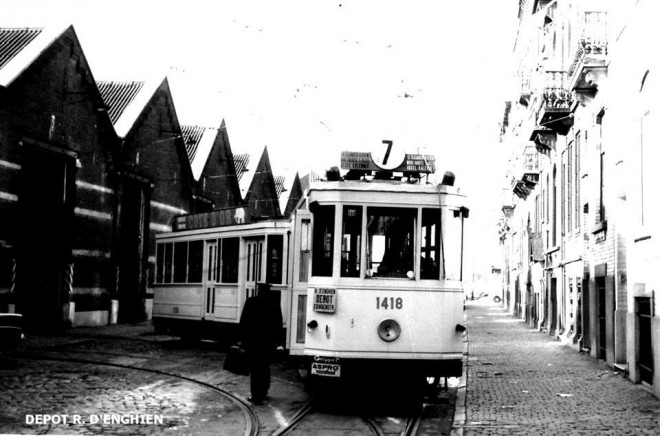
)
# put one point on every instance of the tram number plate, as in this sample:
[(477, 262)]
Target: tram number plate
[(326, 367)]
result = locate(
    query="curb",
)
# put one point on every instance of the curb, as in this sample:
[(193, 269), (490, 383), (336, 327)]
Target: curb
[(460, 407)]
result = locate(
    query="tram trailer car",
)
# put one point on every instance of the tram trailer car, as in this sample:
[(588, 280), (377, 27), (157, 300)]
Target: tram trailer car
[(210, 264), (377, 280)]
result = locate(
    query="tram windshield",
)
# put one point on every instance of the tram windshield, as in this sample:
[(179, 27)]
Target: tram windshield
[(386, 237), (390, 241)]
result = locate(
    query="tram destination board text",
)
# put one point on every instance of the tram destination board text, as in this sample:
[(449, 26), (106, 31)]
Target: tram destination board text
[(416, 163), (325, 300)]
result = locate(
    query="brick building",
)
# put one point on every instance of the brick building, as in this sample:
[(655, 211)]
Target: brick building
[(213, 166), (155, 183), (57, 144), (262, 197), (89, 172)]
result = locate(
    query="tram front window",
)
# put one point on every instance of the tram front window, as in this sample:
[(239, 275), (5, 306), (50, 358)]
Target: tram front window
[(390, 241), (430, 253), (322, 242), (350, 241)]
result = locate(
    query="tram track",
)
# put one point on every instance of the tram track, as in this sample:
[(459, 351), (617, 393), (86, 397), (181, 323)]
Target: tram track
[(413, 422), (308, 409), (251, 419)]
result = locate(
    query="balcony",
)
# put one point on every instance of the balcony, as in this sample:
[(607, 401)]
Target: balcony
[(555, 112), (544, 139), (589, 65), (531, 166)]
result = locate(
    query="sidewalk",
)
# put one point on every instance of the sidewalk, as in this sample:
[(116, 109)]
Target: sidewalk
[(521, 381)]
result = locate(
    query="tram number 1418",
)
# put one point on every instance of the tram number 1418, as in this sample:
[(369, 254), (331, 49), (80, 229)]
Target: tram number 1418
[(389, 303)]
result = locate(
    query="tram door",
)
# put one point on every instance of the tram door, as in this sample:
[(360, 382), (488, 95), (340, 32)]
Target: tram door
[(254, 250), (211, 278)]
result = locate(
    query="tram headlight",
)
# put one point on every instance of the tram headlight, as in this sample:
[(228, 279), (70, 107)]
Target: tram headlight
[(389, 330)]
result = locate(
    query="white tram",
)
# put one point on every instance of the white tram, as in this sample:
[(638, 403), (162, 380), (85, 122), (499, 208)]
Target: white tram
[(379, 284), (368, 274), (209, 266)]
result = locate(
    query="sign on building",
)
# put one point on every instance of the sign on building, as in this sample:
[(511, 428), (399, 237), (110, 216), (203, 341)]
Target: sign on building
[(216, 218)]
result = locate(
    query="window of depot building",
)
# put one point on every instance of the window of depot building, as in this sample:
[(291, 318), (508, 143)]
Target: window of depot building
[(323, 240), (274, 261), (350, 241), (390, 241), (179, 262)]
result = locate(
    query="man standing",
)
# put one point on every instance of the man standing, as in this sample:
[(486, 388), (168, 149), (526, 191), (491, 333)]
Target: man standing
[(261, 325)]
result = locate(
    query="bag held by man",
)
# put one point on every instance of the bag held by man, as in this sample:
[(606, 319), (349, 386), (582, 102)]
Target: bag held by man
[(236, 361)]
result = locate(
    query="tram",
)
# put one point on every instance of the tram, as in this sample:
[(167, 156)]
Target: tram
[(210, 264), (367, 270)]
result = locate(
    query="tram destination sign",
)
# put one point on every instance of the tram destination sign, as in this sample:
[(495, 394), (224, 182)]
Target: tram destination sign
[(215, 218), (412, 163), (325, 300)]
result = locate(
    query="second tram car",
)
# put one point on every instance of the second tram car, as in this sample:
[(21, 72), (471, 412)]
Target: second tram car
[(367, 272), (210, 264)]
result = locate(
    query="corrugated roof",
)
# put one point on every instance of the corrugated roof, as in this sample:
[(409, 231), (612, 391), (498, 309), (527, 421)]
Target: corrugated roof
[(241, 162), (12, 41), (117, 96), (192, 135), (279, 185)]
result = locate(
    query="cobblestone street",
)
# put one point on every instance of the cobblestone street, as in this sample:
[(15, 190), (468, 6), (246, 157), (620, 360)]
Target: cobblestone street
[(521, 381), (90, 395)]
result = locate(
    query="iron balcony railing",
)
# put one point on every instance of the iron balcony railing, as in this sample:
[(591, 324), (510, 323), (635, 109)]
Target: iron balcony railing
[(556, 94), (592, 43)]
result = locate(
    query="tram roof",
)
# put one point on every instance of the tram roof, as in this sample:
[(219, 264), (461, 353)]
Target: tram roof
[(383, 186)]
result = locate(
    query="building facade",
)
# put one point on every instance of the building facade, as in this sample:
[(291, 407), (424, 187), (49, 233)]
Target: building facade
[(89, 173), (577, 226)]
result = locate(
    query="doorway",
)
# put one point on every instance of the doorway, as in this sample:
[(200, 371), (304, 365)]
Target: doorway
[(44, 235), (644, 342), (132, 242), (254, 248), (553, 306), (601, 352), (211, 277)]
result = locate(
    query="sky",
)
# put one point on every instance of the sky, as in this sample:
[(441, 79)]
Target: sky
[(309, 79)]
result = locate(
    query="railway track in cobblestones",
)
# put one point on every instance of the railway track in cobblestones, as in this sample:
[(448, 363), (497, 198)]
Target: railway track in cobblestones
[(410, 427), (250, 417), (308, 409)]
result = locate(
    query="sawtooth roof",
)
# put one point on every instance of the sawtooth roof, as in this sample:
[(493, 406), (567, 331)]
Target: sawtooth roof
[(13, 40), (192, 136), (117, 96)]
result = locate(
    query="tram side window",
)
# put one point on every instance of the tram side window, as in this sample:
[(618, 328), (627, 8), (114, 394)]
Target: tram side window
[(303, 273), (430, 253), (195, 260), (180, 262), (230, 260), (274, 265), (168, 263), (451, 235), (160, 258), (390, 241), (350, 241), (323, 240)]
